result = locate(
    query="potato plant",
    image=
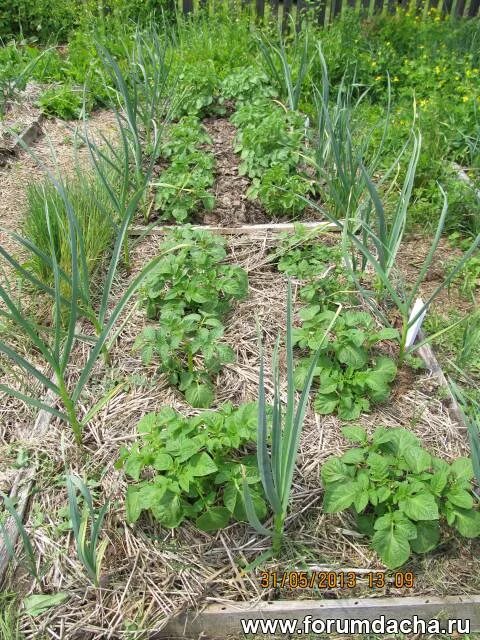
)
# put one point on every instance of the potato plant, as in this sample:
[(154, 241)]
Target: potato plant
[(350, 375), (190, 296), (192, 468), (399, 493)]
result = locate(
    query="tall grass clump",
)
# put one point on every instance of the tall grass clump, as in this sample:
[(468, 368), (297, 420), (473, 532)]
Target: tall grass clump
[(277, 466), (94, 213)]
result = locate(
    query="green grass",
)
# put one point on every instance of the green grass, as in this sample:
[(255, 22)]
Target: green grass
[(95, 217)]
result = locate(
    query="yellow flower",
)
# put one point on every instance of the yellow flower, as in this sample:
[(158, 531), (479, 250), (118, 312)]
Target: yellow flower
[(395, 79), (423, 102), (378, 78), (437, 69), (465, 98)]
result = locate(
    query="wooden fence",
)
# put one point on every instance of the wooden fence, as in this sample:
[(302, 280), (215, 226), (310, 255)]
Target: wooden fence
[(325, 11)]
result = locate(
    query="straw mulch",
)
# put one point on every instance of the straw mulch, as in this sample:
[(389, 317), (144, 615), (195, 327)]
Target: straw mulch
[(150, 573)]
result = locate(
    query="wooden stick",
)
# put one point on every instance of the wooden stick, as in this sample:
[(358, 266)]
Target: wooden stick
[(248, 229), (222, 620), (22, 486), (28, 135)]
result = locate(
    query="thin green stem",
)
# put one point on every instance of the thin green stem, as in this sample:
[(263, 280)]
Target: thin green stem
[(70, 410)]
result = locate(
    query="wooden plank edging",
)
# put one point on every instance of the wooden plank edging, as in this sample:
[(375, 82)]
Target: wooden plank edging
[(23, 484), (221, 620), (248, 229), (28, 135)]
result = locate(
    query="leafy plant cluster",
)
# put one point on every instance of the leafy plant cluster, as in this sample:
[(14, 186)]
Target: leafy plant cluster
[(245, 85), (270, 141), (193, 468), (311, 259), (399, 493), (185, 186), (65, 101), (189, 293), (198, 90), (350, 375)]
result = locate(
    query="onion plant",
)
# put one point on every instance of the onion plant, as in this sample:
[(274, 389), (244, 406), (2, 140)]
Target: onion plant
[(70, 292), (277, 468), (341, 161), (376, 238), (287, 78), (30, 562), (90, 550)]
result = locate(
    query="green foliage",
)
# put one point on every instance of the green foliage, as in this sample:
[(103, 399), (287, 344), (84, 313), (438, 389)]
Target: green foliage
[(281, 193), (197, 87), (308, 257), (467, 280), (183, 138), (30, 561), (350, 375), (189, 295), (96, 220), (277, 467), (83, 517), (267, 136), (399, 492), (191, 468), (184, 187), (246, 85), (194, 279), (286, 70), (9, 617), (65, 102)]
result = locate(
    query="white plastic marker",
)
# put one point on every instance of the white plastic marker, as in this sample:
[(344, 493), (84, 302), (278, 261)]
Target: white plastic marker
[(415, 328)]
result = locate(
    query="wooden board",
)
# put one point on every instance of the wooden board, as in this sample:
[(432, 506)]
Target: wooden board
[(221, 620), (249, 229), (28, 135), (23, 484)]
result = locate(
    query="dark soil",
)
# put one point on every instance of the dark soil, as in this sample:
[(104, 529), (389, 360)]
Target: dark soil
[(232, 206)]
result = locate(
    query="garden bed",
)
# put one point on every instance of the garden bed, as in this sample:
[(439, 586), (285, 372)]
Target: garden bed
[(151, 574)]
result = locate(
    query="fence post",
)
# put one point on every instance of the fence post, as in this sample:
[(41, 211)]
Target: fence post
[(366, 7), (336, 8), (301, 11), (187, 6), (473, 10), (287, 4), (274, 6), (447, 7), (321, 12)]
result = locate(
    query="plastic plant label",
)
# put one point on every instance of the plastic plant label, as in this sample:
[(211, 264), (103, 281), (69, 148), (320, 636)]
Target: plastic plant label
[(415, 328)]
